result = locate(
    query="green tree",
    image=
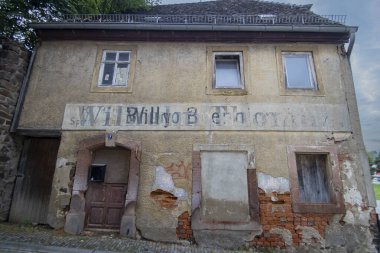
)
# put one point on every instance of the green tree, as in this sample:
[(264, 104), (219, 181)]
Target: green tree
[(377, 160), (370, 158), (16, 15)]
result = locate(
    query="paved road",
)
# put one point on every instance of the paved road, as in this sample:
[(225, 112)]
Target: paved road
[(16, 238)]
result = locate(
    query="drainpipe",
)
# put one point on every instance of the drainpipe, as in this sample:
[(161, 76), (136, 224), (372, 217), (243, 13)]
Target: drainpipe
[(351, 44), (23, 90)]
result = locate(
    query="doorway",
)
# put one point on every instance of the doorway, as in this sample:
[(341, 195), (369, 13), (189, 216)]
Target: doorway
[(34, 181), (107, 188), (97, 177)]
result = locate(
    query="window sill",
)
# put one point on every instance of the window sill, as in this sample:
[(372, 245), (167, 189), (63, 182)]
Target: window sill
[(301, 92), (227, 92), (198, 224), (112, 89)]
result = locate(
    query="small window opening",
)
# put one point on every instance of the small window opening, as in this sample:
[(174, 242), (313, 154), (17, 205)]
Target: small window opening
[(97, 172), (299, 70), (313, 178), (114, 69), (228, 70)]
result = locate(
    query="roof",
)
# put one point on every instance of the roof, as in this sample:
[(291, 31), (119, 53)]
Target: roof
[(231, 7), (220, 20)]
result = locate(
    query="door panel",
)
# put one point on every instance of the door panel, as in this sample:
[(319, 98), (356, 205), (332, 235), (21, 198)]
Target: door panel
[(114, 216), (105, 205), (105, 197), (34, 180)]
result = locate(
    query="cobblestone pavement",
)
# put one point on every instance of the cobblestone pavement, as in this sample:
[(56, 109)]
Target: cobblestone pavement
[(21, 238)]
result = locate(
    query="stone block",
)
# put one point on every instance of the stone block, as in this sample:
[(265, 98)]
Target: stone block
[(223, 239), (77, 203), (74, 223), (128, 226), (5, 75), (163, 234)]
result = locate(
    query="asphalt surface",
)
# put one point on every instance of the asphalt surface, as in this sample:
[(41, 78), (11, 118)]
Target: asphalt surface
[(27, 238)]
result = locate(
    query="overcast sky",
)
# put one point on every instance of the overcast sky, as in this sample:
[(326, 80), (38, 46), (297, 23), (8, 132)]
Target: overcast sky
[(365, 58)]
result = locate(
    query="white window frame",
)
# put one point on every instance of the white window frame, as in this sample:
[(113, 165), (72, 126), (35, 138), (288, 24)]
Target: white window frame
[(115, 62), (240, 68), (310, 67)]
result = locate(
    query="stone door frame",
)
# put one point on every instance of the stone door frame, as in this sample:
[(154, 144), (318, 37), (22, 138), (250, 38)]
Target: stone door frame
[(75, 219)]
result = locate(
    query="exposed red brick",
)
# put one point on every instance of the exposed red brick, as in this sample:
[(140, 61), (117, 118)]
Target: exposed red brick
[(280, 215), (184, 231), (166, 199)]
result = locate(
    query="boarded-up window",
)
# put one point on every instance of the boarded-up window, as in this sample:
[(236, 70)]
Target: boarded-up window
[(313, 178), (224, 186), (316, 186)]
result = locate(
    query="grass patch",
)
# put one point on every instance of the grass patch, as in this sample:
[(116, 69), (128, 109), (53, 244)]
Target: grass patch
[(376, 187)]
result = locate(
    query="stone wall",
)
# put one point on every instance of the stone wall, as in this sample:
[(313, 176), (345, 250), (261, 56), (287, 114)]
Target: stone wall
[(14, 61)]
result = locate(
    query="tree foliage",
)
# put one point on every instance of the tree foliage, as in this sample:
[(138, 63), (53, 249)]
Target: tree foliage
[(16, 15)]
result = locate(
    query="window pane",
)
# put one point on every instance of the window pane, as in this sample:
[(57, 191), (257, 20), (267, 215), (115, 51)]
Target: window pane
[(110, 56), (123, 56), (108, 73), (312, 178), (121, 74), (227, 74), (297, 73)]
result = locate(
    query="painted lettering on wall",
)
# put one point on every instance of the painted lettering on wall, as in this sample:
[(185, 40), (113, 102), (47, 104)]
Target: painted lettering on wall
[(276, 117)]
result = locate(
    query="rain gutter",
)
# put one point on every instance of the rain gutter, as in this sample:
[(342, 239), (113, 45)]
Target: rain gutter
[(351, 44), (199, 27), (23, 90)]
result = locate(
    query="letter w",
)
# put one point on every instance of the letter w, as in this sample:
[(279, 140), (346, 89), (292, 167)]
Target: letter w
[(87, 115)]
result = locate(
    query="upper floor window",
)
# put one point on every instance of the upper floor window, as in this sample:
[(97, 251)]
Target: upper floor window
[(228, 70), (299, 70), (114, 68)]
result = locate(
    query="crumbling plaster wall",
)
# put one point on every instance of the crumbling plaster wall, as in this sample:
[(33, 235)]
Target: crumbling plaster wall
[(172, 152), (348, 232), (171, 79)]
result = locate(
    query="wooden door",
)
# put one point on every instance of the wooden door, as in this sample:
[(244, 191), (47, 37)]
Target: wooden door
[(105, 205), (106, 192), (34, 181)]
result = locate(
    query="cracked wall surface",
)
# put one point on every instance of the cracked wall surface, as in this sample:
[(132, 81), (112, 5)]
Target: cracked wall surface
[(166, 169)]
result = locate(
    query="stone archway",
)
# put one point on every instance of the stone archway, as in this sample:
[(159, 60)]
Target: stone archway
[(75, 219)]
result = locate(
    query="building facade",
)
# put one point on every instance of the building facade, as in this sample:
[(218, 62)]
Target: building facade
[(227, 123)]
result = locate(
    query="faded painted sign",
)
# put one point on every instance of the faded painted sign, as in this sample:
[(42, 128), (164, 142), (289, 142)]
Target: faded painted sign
[(275, 117)]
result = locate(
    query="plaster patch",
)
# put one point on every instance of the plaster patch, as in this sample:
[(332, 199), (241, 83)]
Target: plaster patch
[(311, 236), (357, 216), (285, 234), (339, 137), (352, 196), (271, 184), (164, 181), (61, 162), (347, 169), (364, 217), (349, 217)]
